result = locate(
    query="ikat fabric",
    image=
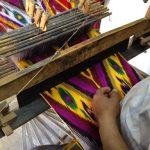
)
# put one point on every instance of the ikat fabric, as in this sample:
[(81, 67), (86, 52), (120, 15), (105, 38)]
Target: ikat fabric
[(72, 99)]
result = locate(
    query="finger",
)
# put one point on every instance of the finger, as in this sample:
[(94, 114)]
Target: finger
[(102, 91), (115, 94)]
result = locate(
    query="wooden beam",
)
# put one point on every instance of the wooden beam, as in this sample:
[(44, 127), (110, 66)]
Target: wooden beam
[(68, 58)]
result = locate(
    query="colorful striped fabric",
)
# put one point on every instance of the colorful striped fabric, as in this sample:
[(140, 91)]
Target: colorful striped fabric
[(12, 17), (72, 99), (18, 3)]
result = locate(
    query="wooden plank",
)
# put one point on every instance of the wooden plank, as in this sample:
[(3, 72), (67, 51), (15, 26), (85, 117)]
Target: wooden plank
[(11, 84), (27, 113)]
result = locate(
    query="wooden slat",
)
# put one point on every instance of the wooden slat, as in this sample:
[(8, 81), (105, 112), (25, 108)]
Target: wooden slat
[(70, 57)]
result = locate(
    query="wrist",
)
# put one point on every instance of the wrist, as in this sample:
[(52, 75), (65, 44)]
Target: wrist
[(104, 120)]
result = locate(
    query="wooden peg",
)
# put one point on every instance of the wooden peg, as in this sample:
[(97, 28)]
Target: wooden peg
[(148, 13), (81, 3), (144, 40), (37, 17), (7, 130), (44, 20), (5, 120), (31, 9), (27, 6), (96, 6)]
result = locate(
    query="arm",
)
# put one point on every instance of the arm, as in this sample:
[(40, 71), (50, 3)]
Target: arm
[(106, 108)]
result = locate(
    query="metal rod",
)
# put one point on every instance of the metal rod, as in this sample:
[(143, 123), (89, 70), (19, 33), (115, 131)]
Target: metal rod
[(41, 41), (36, 38), (35, 32), (32, 26)]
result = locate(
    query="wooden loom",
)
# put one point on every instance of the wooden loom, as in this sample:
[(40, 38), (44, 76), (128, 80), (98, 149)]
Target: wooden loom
[(69, 58), (63, 61)]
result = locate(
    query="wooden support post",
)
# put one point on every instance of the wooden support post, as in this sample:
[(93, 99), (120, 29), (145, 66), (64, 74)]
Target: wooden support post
[(5, 120), (144, 41), (148, 13)]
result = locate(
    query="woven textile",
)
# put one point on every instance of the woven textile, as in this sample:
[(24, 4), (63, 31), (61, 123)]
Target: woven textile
[(12, 17), (17, 3), (72, 99)]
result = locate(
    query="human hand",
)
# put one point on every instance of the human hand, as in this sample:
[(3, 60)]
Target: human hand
[(106, 104)]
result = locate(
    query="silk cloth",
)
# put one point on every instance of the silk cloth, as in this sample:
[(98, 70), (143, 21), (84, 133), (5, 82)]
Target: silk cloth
[(72, 99), (12, 15), (135, 116)]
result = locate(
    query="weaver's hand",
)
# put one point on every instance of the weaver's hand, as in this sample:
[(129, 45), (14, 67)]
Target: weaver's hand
[(40, 17), (106, 104)]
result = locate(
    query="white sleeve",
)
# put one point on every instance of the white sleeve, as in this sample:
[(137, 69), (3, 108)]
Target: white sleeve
[(135, 116)]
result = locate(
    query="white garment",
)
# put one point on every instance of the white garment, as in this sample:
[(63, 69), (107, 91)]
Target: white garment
[(135, 116)]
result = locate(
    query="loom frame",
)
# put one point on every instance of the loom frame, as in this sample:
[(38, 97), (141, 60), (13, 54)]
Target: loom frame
[(69, 58)]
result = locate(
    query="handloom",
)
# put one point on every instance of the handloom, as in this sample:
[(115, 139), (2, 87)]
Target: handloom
[(74, 95)]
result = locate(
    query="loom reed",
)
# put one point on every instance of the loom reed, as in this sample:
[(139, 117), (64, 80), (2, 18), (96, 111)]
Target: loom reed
[(35, 32), (66, 26), (42, 40), (52, 23), (32, 26)]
